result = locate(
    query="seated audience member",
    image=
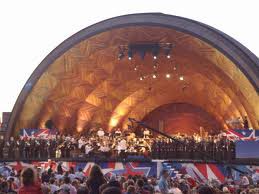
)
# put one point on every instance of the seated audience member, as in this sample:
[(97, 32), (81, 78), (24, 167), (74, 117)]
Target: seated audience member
[(30, 186)]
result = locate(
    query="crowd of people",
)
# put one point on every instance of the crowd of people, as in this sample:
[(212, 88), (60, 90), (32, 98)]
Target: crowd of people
[(33, 180), (119, 144)]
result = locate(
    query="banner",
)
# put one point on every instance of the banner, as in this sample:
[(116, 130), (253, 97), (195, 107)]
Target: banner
[(243, 134), (42, 133), (247, 149), (201, 172)]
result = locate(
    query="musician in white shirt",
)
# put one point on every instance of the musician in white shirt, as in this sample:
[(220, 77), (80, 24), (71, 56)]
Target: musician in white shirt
[(100, 133), (88, 149), (146, 133), (122, 147), (81, 142), (118, 132), (104, 148)]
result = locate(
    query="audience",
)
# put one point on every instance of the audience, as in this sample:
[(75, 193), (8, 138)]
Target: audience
[(71, 182)]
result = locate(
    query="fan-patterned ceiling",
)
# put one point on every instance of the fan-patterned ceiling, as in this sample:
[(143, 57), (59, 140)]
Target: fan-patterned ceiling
[(89, 86)]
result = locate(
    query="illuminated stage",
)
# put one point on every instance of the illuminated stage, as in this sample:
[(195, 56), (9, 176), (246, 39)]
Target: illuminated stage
[(139, 66)]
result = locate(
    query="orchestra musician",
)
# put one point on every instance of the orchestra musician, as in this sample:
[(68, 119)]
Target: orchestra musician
[(1, 146)]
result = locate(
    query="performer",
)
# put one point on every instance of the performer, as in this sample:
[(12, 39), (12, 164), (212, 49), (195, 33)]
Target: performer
[(11, 147), (122, 147), (81, 144), (100, 133), (104, 148), (1, 146), (88, 149), (118, 133), (146, 133), (16, 150)]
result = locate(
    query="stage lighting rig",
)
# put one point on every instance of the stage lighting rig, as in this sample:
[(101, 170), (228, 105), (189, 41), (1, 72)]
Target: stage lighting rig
[(142, 49)]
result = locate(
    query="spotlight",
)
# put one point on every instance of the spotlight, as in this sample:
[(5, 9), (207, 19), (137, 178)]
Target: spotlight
[(168, 50), (141, 78), (168, 75), (155, 52), (181, 78), (154, 76), (174, 68), (135, 68), (129, 54), (155, 66)]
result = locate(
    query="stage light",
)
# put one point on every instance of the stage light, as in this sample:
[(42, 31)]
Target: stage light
[(174, 68), (154, 76), (155, 66), (113, 122), (130, 54), (155, 51), (168, 75), (181, 78), (167, 50), (141, 78), (135, 68)]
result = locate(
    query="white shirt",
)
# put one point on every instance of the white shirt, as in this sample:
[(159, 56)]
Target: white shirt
[(72, 176), (88, 149), (122, 145), (104, 149), (100, 133), (80, 175), (146, 132), (81, 142), (255, 177), (244, 181), (71, 188), (53, 188), (175, 190), (58, 176)]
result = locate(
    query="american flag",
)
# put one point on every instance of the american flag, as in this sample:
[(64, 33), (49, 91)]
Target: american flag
[(43, 133), (243, 134)]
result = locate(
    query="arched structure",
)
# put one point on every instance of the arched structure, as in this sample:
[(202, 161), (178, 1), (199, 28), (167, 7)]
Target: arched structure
[(82, 83)]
